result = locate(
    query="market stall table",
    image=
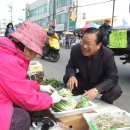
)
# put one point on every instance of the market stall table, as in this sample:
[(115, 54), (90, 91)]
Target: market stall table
[(77, 122)]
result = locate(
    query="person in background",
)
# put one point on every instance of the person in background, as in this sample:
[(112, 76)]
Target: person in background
[(67, 41), (72, 41), (17, 93), (75, 41), (61, 41), (91, 69), (9, 29), (106, 30)]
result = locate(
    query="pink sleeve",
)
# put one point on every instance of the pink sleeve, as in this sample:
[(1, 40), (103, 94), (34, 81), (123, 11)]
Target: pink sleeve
[(22, 92), (35, 85)]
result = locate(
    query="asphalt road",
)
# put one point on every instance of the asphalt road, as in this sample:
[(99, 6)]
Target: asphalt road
[(57, 70)]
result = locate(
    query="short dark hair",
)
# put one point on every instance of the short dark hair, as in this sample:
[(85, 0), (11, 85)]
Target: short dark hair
[(98, 33), (10, 24)]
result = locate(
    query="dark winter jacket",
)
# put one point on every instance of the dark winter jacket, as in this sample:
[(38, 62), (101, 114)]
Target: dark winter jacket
[(106, 30), (102, 71)]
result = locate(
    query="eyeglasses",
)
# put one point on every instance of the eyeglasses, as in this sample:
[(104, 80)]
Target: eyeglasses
[(84, 44)]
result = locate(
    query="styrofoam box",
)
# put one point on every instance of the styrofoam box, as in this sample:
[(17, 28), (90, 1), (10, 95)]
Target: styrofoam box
[(74, 111), (89, 117), (35, 66)]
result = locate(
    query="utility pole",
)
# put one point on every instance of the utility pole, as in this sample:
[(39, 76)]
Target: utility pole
[(68, 18), (113, 13), (54, 12), (11, 10)]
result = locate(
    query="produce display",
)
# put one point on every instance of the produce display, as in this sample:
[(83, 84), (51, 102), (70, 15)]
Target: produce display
[(108, 122), (65, 105), (69, 102), (59, 86)]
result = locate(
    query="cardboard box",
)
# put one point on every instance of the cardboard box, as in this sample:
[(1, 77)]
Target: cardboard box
[(75, 122)]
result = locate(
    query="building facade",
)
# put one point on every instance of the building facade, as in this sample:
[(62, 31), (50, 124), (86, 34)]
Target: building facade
[(38, 12), (51, 13), (66, 15)]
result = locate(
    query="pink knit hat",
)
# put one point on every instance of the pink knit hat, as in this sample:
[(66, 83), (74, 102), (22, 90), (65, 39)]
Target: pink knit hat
[(31, 35)]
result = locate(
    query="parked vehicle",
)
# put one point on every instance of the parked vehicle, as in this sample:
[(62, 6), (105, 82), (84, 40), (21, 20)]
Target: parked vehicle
[(52, 47)]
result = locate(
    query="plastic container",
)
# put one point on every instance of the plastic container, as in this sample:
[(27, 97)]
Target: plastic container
[(89, 117), (74, 111)]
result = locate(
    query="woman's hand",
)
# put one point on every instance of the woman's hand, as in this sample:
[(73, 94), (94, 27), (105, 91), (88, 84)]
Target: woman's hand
[(72, 82), (56, 97), (47, 88)]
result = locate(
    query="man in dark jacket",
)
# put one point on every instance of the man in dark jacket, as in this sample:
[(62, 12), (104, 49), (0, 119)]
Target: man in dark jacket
[(106, 30), (91, 69)]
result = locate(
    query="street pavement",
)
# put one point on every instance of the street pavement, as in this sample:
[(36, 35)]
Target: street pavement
[(57, 70)]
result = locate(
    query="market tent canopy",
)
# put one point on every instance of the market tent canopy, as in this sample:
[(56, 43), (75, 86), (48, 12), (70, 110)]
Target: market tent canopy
[(76, 29), (90, 25), (121, 23)]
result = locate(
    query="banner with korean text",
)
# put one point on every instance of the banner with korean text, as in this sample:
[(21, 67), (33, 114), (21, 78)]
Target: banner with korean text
[(118, 39)]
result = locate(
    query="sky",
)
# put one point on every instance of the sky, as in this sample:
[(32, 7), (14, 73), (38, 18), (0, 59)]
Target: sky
[(18, 10), (104, 10)]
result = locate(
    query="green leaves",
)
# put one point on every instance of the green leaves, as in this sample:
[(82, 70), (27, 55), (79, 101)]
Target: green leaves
[(54, 83)]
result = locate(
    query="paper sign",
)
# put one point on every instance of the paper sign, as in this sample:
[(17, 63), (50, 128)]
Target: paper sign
[(118, 39)]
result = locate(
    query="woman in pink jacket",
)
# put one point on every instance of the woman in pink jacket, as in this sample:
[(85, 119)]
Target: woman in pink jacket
[(15, 88)]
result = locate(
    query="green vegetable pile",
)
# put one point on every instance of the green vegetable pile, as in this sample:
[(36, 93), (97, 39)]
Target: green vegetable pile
[(54, 83), (64, 92), (65, 105), (82, 104)]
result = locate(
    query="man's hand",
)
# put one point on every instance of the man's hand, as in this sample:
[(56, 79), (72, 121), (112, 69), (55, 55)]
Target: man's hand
[(47, 88), (91, 94), (71, 82)]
